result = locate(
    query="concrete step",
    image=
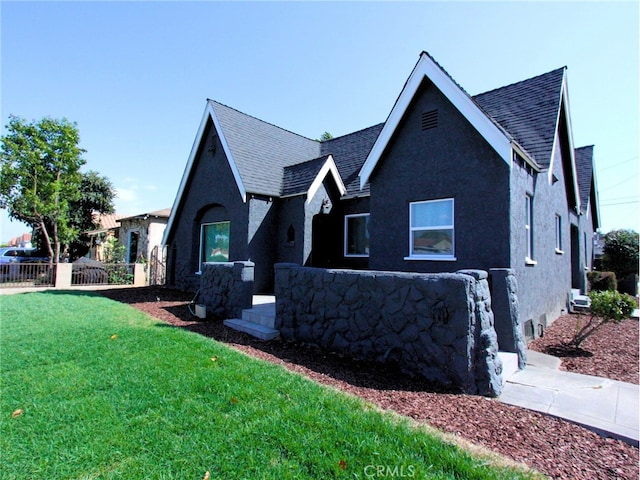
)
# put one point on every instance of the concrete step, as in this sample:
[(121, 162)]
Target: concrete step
[(264, 314), (509, 364), (538, 359), (259, 331)]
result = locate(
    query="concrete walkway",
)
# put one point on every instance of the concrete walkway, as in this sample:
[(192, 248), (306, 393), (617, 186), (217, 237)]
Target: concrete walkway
[(606, 406)]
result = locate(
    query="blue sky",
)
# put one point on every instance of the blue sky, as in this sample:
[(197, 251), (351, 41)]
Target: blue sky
[(135, 76)]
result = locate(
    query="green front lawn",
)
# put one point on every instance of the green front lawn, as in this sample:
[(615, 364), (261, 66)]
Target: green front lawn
[(95, 389)]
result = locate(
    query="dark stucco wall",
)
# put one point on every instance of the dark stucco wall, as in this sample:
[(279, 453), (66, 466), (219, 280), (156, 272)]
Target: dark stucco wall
[(449, 161), (545, 285), (211, 195), (262, 235), (352, 206), (295, 213), (291, 216)]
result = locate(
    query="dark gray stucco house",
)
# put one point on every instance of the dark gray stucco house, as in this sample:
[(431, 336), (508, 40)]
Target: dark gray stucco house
[(447, 182)]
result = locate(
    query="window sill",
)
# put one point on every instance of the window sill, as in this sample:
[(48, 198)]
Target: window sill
[(356, 256), (199, 272), (432, 258), (529, 262), (559, 252)]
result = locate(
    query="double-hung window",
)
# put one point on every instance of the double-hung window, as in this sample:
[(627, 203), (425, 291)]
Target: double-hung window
[(528, 226), (214, 242), (356, 235), (431, 225), (559, 235)]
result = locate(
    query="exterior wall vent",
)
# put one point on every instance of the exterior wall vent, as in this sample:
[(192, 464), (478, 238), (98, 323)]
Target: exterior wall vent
[(429, 119)]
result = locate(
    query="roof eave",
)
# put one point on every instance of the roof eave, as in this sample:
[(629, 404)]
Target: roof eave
[(596, 199), (517, 148), (564, 104)]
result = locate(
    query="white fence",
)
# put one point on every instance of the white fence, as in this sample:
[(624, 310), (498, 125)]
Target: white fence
[(66, 275)]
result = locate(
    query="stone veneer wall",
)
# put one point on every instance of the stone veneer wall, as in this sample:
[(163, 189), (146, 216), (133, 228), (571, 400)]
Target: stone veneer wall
[(505, 306), (439, 326), (226, 288)]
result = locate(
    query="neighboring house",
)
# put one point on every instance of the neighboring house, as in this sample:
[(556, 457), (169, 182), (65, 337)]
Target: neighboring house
[(447, 182), (107, 226), (22, 241), (142, 233)]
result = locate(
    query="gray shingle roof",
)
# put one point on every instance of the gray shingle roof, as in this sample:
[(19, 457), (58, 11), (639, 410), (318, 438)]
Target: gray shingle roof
[(528, 111), (298, 178), (274, 161), (584, 166), (350, 152), (261, 150)]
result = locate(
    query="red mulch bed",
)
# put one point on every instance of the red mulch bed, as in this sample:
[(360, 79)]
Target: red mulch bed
[(611, 352), (555, 447)]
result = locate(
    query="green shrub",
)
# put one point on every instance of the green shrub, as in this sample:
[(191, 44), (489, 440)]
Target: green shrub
[(612, 305), (621, 252), (601, 281), (606, 306)]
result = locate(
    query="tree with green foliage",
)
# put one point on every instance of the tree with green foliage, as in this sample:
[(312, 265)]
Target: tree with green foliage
[(97, 194), (41, 183), (621, 253)]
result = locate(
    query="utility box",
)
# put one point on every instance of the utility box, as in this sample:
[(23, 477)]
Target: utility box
[(201, 310)]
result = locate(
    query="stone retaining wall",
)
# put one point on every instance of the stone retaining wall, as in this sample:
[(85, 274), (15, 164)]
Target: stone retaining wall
[(226, 288), (439, 326), (504, 303)]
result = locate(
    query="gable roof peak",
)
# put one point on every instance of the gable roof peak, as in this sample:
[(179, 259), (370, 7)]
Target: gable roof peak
[(428, 68), (427, 54)]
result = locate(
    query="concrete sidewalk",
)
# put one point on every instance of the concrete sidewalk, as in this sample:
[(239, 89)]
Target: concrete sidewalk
[(606, 406)]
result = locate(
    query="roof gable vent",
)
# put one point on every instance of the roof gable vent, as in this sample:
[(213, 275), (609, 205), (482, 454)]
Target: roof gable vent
[(429, 119)]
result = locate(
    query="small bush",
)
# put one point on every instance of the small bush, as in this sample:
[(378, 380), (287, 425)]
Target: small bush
[(602, 281), (612, 305), (606, 306)]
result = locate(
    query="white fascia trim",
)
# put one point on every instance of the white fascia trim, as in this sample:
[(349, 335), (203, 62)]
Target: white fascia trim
[(594, 179), (329, 166), (208, 113), (227, 151), (467, 107), (574, 168), (556, 135), (564, 103)]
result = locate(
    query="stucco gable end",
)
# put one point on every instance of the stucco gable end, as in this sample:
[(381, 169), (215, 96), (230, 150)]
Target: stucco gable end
[(428, 68)]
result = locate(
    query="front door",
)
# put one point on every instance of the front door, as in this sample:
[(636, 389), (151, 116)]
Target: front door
[(325, 241)]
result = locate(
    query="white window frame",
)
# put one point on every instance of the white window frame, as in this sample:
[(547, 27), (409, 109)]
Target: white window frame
[(528, 226), (559, 249), (346, 235), (200, 244), (434, 257)]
